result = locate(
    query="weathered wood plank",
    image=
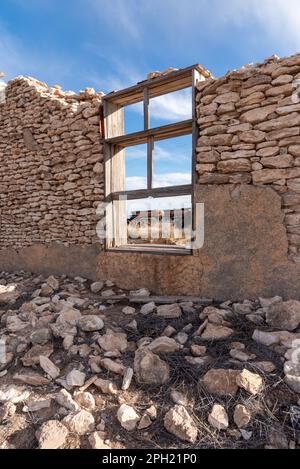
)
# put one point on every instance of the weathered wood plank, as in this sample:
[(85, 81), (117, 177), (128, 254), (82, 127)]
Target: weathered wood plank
[(170, 300), (156, 192), (157, 133)]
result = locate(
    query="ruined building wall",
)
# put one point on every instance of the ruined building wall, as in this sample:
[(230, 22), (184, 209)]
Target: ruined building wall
[(51, 174), (248, 166), (250, 134)]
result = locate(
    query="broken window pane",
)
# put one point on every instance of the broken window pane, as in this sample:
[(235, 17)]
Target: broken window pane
[(170, 108), (172, 162), (136, 167), (165, 221)]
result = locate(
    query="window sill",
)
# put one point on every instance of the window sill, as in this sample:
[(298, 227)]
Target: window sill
[(154, 249)]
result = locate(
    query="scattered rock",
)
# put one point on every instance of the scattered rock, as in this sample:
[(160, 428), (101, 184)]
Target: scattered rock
[(75, 378), (52, 435), (221, 382), (32, 357), (52, 282), (97, 442), (241, 356), (96, 287), (106, 386), (140, 292), (90, 323), (113, 366), (284, 315), (241, 416), (169, 311), (113, 341), (164, 345), (7, 410), (148, 308), (179, 398), (218, 417), (85, 400), (13, 394), (251, 382), (49, 368), (128, 417), (80, 422), (145, 422), (149, 368), (266, 367), (178, 422), (9, 294), (65, 399), (128, 310), (127, 378), (214, 332), (292, 375), (40, 336), (31, 378), (36, 405), (198, 350)]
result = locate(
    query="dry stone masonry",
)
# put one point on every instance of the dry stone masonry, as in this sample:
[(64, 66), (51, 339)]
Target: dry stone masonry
[(250, 133), (50, 165)]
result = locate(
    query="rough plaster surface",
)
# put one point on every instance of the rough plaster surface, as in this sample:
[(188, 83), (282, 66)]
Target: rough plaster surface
[(244, 253), (56, 259)]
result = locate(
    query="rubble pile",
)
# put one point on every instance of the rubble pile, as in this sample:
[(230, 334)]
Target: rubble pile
[(86, 365)]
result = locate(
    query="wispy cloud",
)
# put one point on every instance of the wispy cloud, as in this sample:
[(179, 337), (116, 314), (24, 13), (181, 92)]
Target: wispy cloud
[(159, 180), (2, 91), (173, 106)]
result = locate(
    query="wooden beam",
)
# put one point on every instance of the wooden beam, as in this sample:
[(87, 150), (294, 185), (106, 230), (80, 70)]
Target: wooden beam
[(156, 193), (165, 84), (150, 148), (157, 133), (163, 300), (146, 110)]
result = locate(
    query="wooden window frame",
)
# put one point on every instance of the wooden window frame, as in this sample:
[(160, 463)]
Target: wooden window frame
[(115, 141)]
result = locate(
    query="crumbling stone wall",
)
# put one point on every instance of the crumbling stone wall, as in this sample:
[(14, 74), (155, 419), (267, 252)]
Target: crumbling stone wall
[(51, 173), (250, 134)]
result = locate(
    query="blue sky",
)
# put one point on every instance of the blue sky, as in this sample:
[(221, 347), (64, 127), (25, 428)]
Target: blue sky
[(111, 44)]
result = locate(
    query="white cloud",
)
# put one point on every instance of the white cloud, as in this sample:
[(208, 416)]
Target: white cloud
[(135, 183), (173, 106), (2, 91), (159, 180), (171, 179)]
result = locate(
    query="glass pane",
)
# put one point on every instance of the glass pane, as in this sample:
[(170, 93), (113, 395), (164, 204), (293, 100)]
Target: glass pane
[(170, 108), (172, 162), (133, 118), (161, 221), (136, 167)]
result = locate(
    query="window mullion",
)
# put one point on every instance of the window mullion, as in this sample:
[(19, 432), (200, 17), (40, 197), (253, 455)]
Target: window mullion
[(150, 145)]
